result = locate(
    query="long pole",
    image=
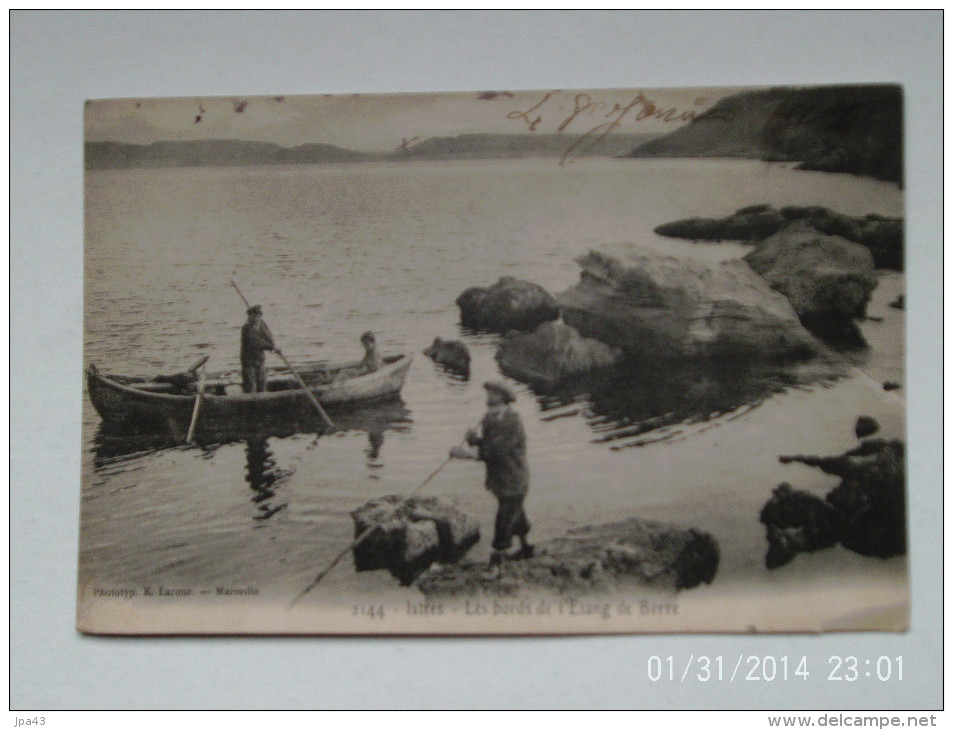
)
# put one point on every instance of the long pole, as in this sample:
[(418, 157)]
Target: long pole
[(304, 386), (368, 532)]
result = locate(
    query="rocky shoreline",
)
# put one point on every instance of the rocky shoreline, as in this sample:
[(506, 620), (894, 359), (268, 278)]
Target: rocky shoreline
[(787, 307), (883, 236), (600, 558), (800, 291), (422, 542)]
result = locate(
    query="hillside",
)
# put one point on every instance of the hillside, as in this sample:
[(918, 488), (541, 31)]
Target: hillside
[(855, 129), (104, 155), (101, 155), (493, 146)]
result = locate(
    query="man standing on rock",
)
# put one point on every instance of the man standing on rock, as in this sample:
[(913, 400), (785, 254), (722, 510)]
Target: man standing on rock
[(501, 445)]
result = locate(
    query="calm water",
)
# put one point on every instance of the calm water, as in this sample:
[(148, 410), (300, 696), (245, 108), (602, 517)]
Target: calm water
[(333, 251)]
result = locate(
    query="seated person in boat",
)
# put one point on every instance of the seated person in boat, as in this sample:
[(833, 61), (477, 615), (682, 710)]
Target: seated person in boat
[(256, 340), (371, 363), (372, 358)]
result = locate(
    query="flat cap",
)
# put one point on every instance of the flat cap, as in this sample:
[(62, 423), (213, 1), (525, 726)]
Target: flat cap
[(505, 392)]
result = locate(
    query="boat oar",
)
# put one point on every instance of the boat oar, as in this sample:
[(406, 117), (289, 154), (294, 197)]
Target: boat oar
[(304, 386), (369, 531), (198, 402)]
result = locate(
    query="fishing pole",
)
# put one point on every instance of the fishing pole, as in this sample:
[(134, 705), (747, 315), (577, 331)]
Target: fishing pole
[(304, 386), (371, 530)]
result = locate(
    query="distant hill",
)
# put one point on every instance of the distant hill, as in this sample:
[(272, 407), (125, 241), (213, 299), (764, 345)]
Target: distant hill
[(104, 155), (497, 146), (856, 129), (101, 155)]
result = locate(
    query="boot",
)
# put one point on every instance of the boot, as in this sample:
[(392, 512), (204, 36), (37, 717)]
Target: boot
[(495, 567), (521, 553)]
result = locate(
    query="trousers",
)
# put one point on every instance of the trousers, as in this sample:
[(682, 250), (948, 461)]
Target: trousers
[(510, 520), (253, 378)]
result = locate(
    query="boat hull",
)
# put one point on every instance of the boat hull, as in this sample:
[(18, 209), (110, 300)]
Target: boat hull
[(120, 399)]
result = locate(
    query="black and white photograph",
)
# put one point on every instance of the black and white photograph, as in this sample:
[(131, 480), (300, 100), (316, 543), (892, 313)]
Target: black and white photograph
[(476, 360), (556, 361)]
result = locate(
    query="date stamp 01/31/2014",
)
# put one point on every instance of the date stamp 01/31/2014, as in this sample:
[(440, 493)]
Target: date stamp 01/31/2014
[(769, 668)]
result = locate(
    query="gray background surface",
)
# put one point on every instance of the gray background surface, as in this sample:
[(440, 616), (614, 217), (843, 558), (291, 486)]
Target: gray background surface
[(59, 59)]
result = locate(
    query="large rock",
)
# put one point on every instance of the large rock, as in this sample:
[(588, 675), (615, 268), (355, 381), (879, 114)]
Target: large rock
[(510, 304), (883, 236), (633, 553), (409, 534), (656, 307), (554, 352), (827, 279)]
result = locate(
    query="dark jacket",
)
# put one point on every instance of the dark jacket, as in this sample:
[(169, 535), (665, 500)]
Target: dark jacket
[(256, 339), (503, 450)]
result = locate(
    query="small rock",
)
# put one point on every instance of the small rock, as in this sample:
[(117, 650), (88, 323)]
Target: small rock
[(452, 354), (796, 521), (866, 426), (408, 539)]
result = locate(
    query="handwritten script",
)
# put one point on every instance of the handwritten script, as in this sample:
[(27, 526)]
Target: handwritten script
[(585, 110)]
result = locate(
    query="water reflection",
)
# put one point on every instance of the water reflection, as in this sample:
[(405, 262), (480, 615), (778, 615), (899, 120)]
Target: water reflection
[(375, 439), (115, 444), (640, 403), (263, 477)]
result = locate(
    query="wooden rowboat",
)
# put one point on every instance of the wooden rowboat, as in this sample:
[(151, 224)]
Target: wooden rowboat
[(171, 399)]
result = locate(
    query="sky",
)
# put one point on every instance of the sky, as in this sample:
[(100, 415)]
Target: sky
[(382, 122)]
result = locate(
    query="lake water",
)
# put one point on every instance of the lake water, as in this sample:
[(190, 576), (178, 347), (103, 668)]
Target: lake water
[(332, 251)]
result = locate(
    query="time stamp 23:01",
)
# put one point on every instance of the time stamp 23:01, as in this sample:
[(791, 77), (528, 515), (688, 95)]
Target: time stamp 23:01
[(768, 668)]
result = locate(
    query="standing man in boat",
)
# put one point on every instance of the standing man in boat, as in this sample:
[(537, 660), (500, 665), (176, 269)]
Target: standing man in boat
[(256, 340), (501, 445)]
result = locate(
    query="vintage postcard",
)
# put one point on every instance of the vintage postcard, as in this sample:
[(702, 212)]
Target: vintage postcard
[(548, 362)]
